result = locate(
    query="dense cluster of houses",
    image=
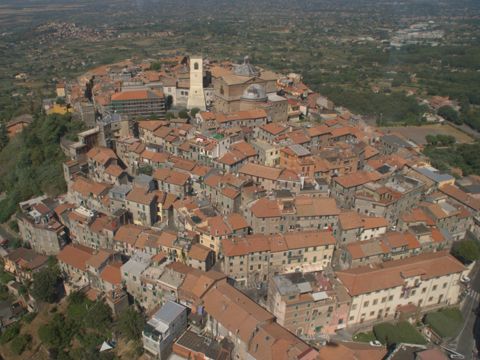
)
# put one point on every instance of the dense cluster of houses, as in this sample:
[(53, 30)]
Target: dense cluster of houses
[(269, 188)]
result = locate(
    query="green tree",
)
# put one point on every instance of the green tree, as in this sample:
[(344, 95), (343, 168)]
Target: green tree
[(194, 111), (450, 114), (3, 136), (431, 140), (466, 251), (58, 333), (99, 316), (45, 284), (19, 344), (10, 333), (131, 324), (183, 114), (156, 66), (168, 102), (145, 169)]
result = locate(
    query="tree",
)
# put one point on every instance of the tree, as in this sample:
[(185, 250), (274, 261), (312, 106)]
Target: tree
[(45, 284), (145, 169), (3, 136), (156, 66), (183, 114), (131, 324), (466, 251), (194, 111), (99, 316), (19, 344), (450, 114), (169, 102), (431, 140), (58, 333)]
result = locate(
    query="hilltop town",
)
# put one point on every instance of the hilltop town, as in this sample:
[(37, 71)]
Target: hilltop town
[(245, 216)]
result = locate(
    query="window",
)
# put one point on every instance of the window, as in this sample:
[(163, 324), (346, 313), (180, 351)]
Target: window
[(434, 287), (365, 304), (445, 285), (390, 298), (384, 299), (375, 302), (195, 66)]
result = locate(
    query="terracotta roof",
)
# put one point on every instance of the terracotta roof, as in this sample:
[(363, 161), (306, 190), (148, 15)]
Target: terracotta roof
[(236, 221), (265, 208), (60, 209), (86, 187), (351, 351), (76, 256), (357, 178), (273, 128), (307, 206), (27, 258), (199, 252), (235, 311), (170, 176), (141, 196), (417, 215), (318, 130), (151, 125), (99, 258), (260, 171), (101, 154), (393, 273), (461, 196), (241, 115), (136, 95), (114, 170), (112, 274), (128, 233), (350, 220), (276, 243)]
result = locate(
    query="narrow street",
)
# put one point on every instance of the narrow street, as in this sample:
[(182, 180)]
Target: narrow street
[(467, 341)]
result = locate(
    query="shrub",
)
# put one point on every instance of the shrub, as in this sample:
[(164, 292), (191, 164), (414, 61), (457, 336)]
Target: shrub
[(10, 333), (19, 344), (402, 332), (364, 337), (28, 318), (446, 322)]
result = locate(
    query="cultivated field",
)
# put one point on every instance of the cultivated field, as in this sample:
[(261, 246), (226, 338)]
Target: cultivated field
[(417, 134)]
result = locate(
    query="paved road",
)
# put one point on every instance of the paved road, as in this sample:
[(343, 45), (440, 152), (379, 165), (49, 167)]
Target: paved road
[(469, 338)]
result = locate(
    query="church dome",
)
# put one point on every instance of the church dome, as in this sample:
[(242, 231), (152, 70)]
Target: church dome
[(255, 92)]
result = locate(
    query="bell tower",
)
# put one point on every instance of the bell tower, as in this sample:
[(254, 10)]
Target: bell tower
[(196, 96)]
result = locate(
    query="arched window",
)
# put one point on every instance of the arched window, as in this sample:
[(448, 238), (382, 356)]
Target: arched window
[(195, 66)]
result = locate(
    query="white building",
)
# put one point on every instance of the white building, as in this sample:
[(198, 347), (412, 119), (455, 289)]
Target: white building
[(196, 95), (409, 285), (163, 328)]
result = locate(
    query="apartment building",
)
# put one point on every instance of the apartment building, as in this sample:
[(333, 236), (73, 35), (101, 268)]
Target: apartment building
[(286, 212), (353, 227), (417, 283), (142, 204), (308, 304), (344, 187), (39, 227), (389, 198), (163, 328), (250, 260), (138, 103)]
